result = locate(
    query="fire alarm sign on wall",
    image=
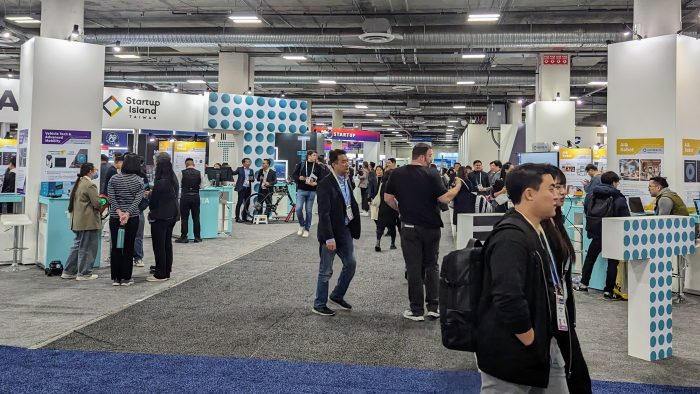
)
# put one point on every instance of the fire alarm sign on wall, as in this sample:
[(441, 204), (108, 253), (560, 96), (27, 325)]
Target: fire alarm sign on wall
[(555, 59)]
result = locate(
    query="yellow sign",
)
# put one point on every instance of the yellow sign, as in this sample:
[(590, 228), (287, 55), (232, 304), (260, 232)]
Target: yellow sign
[(189, 146), (573, 153), (691, 147), (600, 154), (7, 142), (629, 147)]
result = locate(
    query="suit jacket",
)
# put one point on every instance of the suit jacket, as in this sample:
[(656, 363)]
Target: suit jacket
[(271, 179), (241, 179), (331, 210)]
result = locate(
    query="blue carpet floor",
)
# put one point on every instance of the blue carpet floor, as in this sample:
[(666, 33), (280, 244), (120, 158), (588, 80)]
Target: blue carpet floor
[(58, 371)]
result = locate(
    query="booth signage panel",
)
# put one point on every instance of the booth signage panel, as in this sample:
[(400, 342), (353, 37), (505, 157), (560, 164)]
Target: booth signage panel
[(9, 100), (22, 147), (691, 161), (600, 159), (555, 60), (354, 135), (62, 153), (573, 162), (182, 150), (141, 109), (114, 138), (638, 161), (8, 149)]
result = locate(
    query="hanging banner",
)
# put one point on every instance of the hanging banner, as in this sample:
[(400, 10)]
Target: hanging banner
[(573, 162), (354, 135), (21, 174), (182, 150), (638, 161), (600, 159)]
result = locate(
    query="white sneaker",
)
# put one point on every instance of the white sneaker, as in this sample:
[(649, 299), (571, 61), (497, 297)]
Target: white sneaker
[(67, 276), (364, 214), (138, 263), (434, 315), (305, 234), (116, 283), (410, 316), (86, 277), (128, 282), (152, 278), (300, 231)]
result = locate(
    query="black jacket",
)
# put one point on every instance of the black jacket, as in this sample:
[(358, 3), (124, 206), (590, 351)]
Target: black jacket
[(515, 298), (480, 178), (271, 179), (191, 181), (8, 183), (373, 187), (305, 169), (163, 203), (465, 201), (241, 179), (331, 210), (104, 180), (604, 191)]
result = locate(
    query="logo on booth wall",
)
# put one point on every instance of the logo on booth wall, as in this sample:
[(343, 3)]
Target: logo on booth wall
[(112, 139), (112, 106)]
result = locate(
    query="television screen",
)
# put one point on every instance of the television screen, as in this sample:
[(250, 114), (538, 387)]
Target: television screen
[(539, 158)]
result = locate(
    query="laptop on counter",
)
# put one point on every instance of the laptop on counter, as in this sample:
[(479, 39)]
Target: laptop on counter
[(636, 207)]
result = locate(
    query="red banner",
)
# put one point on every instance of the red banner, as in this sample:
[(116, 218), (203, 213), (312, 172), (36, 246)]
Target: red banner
[(554, 60)]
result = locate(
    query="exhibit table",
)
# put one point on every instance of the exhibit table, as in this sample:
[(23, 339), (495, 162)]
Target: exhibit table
[(474, 225), (55, 237), (650, 244), (214, 215), (692, 273), (6, 237)]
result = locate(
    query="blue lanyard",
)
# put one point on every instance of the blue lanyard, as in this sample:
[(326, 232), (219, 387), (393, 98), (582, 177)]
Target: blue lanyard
[(552, 267)]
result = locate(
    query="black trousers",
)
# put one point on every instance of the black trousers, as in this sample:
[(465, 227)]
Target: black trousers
[(189, 203), (593, 252), (420, 247), (391, 227), (365, 198), (243, 195), (162, 240), (122, 260)]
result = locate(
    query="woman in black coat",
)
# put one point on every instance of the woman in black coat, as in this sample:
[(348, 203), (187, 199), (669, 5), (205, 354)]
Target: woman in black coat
[(465, 202), (164, 213), (386, 217), (578, 379)]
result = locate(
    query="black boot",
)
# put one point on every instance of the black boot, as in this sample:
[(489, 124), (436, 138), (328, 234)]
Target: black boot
[(377, 247)]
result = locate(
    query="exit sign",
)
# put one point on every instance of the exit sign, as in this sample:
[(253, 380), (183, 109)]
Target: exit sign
[(555, 60)]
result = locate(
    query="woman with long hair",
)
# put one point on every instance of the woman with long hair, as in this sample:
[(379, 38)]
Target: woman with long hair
[(164, 213), (386, 218), (84, 208), (364, 188), (578, 379), (498, 190), (465, 201), (125, 191)]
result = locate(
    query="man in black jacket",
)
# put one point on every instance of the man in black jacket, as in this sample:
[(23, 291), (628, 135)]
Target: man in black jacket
[(111, 171), (190, 202), (307, 174), (267, 178), (480, 178), (339, 224), (518, 307), (603, 197)]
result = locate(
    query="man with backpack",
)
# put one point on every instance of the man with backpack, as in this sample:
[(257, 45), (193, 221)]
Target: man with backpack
[(522, 302), (604, 201)]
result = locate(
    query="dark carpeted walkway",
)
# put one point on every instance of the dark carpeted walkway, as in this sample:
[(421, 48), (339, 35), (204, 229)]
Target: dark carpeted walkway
[(259, 306)]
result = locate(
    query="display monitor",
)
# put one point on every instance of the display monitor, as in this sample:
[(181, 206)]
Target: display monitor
[(213, 174), (539, 158), (636, 206), (697, 205), (227, 174), (281, 170)]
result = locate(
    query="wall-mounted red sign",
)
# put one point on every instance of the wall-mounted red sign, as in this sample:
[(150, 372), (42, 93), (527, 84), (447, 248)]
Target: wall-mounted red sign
[(554, 60)]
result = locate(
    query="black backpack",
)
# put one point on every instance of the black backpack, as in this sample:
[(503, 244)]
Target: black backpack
[(597, 209), (461, 284)]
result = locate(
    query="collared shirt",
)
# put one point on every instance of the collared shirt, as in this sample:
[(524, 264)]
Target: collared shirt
[(343, 183), (246, 182)]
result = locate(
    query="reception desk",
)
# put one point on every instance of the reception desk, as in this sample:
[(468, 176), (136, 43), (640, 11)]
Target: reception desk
[(215, 213), (55, 237)]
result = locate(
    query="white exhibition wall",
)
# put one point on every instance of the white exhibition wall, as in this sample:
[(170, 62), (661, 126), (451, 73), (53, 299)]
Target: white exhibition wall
[(480, 145), (590, 135), (550, 121)]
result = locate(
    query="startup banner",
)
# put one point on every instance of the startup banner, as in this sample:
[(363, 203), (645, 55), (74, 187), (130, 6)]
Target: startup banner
[(638, 161), (354, 135), (141, 109), (573, 162)]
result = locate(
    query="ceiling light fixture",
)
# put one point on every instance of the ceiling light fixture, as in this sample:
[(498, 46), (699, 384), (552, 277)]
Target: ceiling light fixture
[(361, 106), (573, 97), (6, 34), (558, 98), (370, 114), (24, 19), (249, 91), (320, 124), (9, 74), (326, 81), (579, 102), (117, 47), (282, 94), (294, 57), (598, 83), (390, 129), (378, 120), (199, 81), (175, 90), (76, 31), (128, 56), (459, 106), (473, 55), (520, 101), (245, 19), (395, 132), (626, 33), (453, 121), (465, 82), (212, 138), (483, 17)]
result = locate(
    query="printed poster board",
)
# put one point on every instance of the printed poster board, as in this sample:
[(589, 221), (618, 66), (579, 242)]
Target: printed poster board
[(181, 150), (573, 162), (638, 161), (600, 159), (21, 174), (691, 165), (8, 150), (62, 154)]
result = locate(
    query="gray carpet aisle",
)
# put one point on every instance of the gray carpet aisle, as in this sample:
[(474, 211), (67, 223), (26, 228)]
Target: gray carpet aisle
[(260, 306)]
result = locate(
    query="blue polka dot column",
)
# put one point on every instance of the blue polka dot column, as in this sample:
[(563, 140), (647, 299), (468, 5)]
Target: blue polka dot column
[(259, 118), (651, 246)]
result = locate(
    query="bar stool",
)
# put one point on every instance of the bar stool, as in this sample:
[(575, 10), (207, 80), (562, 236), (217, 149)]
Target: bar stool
[(680, 298), (17, 222)]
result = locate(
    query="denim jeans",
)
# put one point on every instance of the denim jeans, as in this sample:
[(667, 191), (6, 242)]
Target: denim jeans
[(138, 243), (344, 249), (83, 253), (305, 203)]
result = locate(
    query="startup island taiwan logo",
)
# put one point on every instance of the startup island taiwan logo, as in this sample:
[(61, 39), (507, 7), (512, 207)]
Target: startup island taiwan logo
[(136, 108)]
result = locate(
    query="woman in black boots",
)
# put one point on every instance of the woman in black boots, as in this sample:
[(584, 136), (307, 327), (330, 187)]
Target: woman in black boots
[(384, 215)]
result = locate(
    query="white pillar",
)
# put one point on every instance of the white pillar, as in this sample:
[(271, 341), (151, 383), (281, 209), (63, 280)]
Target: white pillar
[(61, 88), (653, 18), (59, 16), (337, 123), (515, 113), (553, 76)]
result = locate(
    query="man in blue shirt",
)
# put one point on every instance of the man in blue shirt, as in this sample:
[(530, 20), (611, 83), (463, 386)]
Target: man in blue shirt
[(338, 225)]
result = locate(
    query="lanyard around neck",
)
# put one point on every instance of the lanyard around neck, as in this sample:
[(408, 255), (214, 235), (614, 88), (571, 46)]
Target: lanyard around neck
[(306, 168)]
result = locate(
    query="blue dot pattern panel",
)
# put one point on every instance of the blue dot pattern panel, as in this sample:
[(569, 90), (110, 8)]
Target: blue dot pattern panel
[(261, 117), (659, 240)]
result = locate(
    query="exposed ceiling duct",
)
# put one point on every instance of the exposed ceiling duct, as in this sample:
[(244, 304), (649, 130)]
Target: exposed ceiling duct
[(393, 78), (457, 37)]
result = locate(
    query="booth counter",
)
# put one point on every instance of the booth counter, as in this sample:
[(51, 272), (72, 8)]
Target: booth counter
[(692, 273), (215, 213), (55, 238), (575, 223)]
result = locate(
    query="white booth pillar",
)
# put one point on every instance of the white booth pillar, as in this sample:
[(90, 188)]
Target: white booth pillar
[(72, 101), (236, 75), (552, 117), (337, 123), (59, 16), (653, 18)]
